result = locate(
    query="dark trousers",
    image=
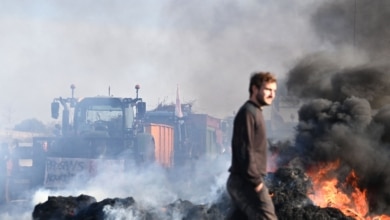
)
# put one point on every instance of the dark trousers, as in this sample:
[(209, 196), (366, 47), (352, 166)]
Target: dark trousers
[(256, 205)]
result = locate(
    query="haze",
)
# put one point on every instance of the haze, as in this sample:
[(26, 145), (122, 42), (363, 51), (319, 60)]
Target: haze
[(208, 49)]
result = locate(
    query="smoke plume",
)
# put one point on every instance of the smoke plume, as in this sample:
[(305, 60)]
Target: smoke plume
[(345, 94)]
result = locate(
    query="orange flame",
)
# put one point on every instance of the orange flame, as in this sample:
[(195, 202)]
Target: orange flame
[(328, 193)]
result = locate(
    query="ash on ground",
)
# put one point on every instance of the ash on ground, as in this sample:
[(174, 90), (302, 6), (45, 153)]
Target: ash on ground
[(289, 188)]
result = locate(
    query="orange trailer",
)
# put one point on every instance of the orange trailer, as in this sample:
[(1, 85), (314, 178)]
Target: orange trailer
[(164, 143)]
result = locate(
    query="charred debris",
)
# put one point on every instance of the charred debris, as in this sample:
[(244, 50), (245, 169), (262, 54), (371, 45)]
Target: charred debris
[(289, 188)]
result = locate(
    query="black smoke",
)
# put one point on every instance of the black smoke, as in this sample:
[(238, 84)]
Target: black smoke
[(349, 132), (362, 24), (345, 112), (322, 75)]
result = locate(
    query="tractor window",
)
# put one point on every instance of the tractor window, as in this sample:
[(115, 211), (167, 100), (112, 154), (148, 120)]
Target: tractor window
[(129, 116), (105, 118), (99, 115), (103, 113)]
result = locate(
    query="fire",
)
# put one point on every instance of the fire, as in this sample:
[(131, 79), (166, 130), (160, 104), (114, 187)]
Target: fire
[(382, 217), (345, 196)]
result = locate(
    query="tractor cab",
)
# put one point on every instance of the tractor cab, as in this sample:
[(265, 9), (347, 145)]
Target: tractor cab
[(106, 115)]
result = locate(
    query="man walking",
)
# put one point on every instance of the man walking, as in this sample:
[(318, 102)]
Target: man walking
[(249, 151)]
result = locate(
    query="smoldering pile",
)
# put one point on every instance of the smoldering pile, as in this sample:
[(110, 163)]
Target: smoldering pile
[(289, 188), (86, 207)]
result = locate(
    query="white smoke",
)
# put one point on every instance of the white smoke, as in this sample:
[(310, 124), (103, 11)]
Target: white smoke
[(152, 187), (210, 49)]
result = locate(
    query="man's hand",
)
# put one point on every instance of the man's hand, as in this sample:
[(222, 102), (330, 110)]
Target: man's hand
[(259, 187)]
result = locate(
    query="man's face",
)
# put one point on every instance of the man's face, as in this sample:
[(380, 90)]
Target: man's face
[(266, 93)]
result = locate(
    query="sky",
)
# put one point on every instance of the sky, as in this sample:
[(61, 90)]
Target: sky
[(208, 49)]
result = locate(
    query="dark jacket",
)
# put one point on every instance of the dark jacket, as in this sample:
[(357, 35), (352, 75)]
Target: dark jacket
[(249, 144)]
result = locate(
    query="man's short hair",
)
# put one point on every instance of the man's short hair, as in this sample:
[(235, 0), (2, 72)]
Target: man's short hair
[(258, 78)]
